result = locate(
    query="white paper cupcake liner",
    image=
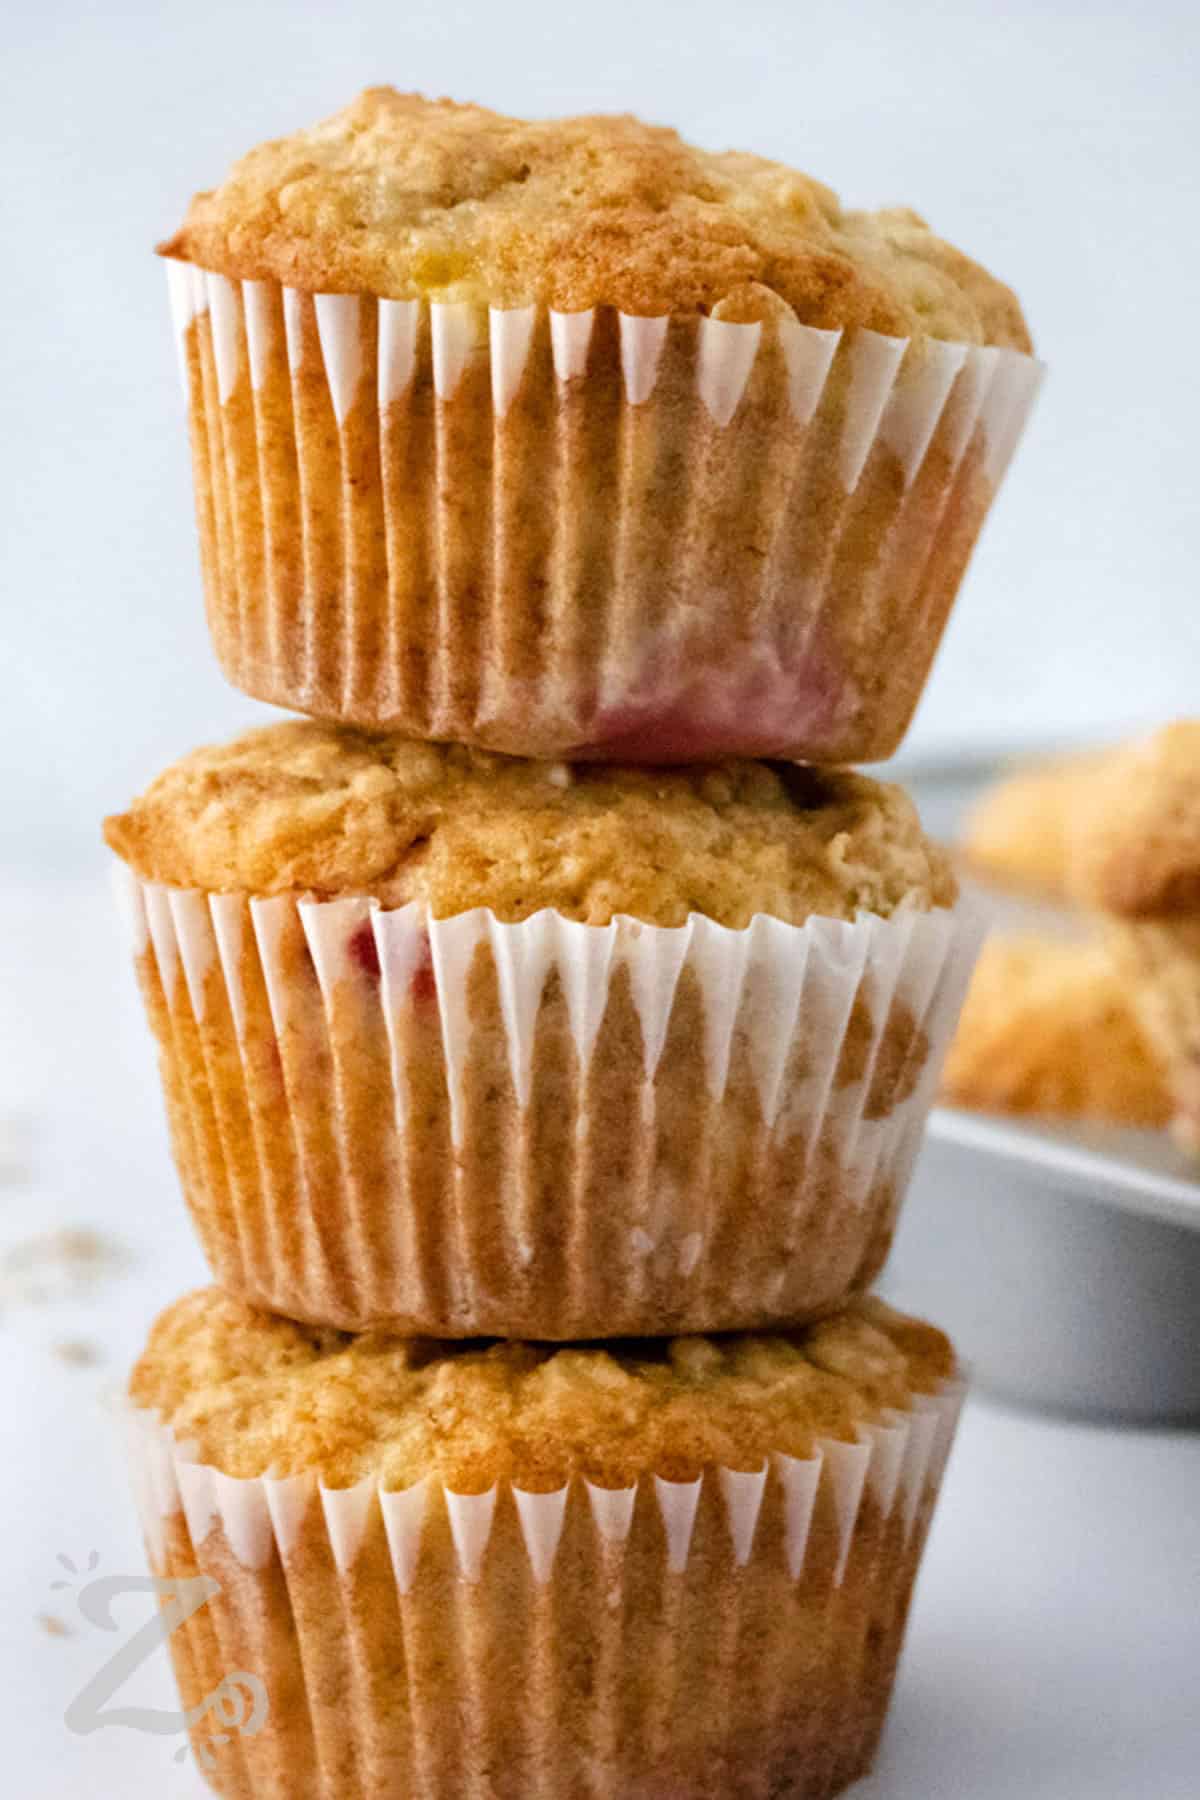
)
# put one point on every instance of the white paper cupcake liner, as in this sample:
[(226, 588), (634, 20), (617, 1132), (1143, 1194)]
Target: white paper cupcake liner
[(547, 1129), (584, 534), (663, 1639)]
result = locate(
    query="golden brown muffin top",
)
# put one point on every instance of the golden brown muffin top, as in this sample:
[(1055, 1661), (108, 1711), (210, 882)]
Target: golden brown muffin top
[(1049, 1029), (254, 1392), (1135, 840), (1018, 832), (307, 808), (406, 197)]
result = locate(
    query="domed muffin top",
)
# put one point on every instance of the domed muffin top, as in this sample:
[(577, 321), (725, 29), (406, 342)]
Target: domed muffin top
[(406, 197), (1135, 831), (254, 1392), (305, 808), (1017, 833)]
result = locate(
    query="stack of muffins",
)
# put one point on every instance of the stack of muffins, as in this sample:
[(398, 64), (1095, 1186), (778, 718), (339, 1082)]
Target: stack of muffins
[(555, 470)]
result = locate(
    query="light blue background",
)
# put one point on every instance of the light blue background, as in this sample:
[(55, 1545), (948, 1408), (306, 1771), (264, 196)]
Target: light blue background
[(1057, 143)]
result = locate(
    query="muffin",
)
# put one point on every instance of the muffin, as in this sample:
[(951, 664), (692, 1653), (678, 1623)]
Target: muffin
[(1049, 1029), (460, 1044), (1017, 834), (569, 439), (1135, 857), (677, 1569)]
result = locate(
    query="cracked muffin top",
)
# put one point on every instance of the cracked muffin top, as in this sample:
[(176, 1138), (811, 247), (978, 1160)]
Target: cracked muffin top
[(255, 1392), (406, 197), (306, 808)]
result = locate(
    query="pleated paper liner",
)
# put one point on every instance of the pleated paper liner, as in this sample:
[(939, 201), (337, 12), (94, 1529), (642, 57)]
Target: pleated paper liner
[(551, 1130), (584, 534), (737, 1634)]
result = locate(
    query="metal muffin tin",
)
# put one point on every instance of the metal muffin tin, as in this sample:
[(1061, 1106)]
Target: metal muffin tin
[(1065, 1263), (1063, 1259)]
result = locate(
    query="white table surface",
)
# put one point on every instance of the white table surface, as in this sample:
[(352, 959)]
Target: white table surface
[(1054, 1652)]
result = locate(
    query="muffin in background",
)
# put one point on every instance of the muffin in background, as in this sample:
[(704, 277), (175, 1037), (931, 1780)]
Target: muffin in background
[(460, 1044), (1049, 1029), (1018, 832), (1135, 857), (641, 1570), (567, 438)]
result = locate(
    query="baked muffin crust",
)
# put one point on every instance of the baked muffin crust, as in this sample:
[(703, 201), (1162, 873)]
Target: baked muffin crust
[(1018, 832), (308, 808), (255, 1392), (1136, 835), (1049, 1028), (406, 197)]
